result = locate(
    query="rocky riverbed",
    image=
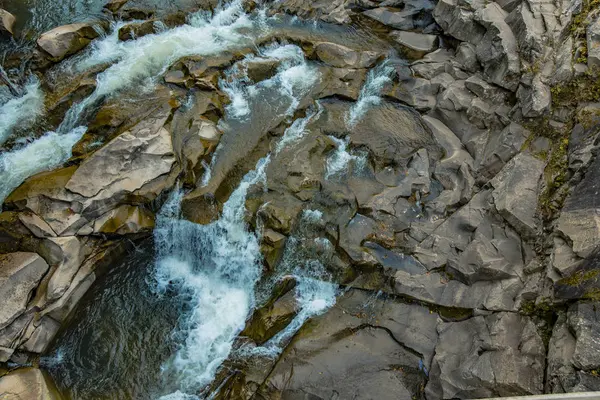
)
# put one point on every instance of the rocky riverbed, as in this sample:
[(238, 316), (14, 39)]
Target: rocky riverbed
[(361, 199)]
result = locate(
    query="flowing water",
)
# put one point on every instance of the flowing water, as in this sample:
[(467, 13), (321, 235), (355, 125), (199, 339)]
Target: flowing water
[(160, 324)]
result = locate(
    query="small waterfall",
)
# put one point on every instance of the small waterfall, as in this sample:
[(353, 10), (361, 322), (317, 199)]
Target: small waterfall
[(213, 268), (298, 128), (21, 111), (370, 94), (340, 160), (42, 154)]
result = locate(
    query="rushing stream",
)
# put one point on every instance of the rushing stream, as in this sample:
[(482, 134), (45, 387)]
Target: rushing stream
[(161, 326)]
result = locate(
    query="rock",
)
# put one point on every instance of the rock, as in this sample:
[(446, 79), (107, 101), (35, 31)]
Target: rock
[(124, 220), (500, 148), (457, 18), (336, 11), (593, 43), (414, 15), (20, 274), (274, 316), (580, 216), (584, 321), (66, 254), (516, 189), (40, 335), (466, 56), (561, 375), (497, 50), (343, 57), (419, 43), (130, 163), (535, 99), (342, 82), (114, 5), (137, 30), (498, 355), (38, 227), (65, 40), (7, 22), (375, 346), (176, 77), (529, 30), (416, 92), (28, 383), (485, 90)]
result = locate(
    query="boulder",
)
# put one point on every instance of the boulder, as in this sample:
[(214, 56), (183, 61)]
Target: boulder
[(65, 40), (336, 11), (500, 148), (131, 163), (457, 18), (580, 217), (419, 43), (368, 340), (20, 273), (593, 43), (137, 30), (535, 99), (66, 255), (40, 334), (584, 322), (38, 227), (124, 220), (7, 22), (497, 50), (340, 56), (516, 189), (413, 15), (27, 383), (114, 5), (498, 355)]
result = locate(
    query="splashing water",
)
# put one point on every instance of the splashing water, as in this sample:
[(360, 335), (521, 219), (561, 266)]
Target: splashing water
[(21, 111), (370, 94), (340, 159), (214, 269), (48, 151), (298, 127)]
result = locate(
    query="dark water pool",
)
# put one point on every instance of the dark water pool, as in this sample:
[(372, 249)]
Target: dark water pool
[(119, 337)]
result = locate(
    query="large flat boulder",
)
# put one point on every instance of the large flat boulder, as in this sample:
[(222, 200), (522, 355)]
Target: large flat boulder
[(340, 56), (20, 274)]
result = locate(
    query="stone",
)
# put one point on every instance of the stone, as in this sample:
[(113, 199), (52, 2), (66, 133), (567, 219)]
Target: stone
[(584, 321), (498, 355), (7, 22), (413, 14), (125, 220), (579, 220), (535, 99), (65, 40), (343, 82), (27, 383), (516, 189), (176, 77), (457, 18), (336, 11), (130, 163), (114, 5), (529, 30), (136, 30), (467, 57), (416, 92), (374, 345), (593, 43), (485, 90), (38, 227), (41, 334), (561, 347), (419, 43), (343, 57), (497, 50), (20, 274), (66, 254), (500, 148)]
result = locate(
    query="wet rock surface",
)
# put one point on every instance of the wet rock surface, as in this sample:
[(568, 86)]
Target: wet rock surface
[(452, 187)]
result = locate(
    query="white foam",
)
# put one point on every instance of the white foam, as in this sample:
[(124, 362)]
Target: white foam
[(298, 128), (47, 152), (22, 111), (339, 160), (214, 268), (370, 93)]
